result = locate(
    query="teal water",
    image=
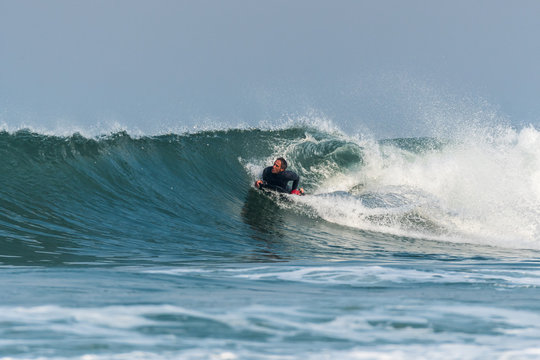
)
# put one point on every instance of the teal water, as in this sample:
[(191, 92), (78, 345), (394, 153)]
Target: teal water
[(158, 247)]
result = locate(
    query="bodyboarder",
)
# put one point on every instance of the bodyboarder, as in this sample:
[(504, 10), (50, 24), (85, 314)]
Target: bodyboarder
[(276, 178)]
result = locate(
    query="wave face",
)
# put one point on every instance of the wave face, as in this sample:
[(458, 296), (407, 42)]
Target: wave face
[(189, 197)]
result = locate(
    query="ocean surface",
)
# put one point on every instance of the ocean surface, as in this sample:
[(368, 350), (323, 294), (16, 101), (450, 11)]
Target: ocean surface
[(125, 246)]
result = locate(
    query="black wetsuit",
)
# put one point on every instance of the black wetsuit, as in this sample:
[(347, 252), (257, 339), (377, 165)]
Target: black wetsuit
[(280, 180)]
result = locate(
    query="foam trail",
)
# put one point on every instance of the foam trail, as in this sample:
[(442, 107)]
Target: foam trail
[(484, 188)]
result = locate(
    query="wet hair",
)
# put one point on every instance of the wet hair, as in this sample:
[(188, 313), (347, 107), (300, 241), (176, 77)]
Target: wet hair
[(283, 162)]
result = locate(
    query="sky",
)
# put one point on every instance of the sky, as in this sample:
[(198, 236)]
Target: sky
[(387, 66)]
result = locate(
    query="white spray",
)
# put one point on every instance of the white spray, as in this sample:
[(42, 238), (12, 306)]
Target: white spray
[(484, 188)]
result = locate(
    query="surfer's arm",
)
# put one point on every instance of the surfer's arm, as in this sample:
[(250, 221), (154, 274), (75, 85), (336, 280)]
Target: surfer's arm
[(292, 176), (265, 175), (295, 184), (295, 179)]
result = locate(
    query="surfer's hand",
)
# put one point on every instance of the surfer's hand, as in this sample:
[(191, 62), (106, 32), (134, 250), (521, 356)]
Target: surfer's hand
[(301, 191), (258, 183)]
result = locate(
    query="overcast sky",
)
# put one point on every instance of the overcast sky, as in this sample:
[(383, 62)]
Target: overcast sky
[(158, 64)]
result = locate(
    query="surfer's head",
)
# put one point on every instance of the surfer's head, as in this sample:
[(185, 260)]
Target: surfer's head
[(279, 165)]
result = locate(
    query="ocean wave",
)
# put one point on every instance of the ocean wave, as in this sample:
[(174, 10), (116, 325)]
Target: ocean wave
[(117, 196)]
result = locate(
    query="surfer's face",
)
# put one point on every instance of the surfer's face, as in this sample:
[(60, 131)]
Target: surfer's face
[(277, 167)]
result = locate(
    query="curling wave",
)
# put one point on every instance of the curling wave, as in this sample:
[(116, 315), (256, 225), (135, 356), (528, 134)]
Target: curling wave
[(163, 198)]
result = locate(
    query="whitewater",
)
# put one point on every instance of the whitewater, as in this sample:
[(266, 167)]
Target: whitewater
[(134, 246)]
